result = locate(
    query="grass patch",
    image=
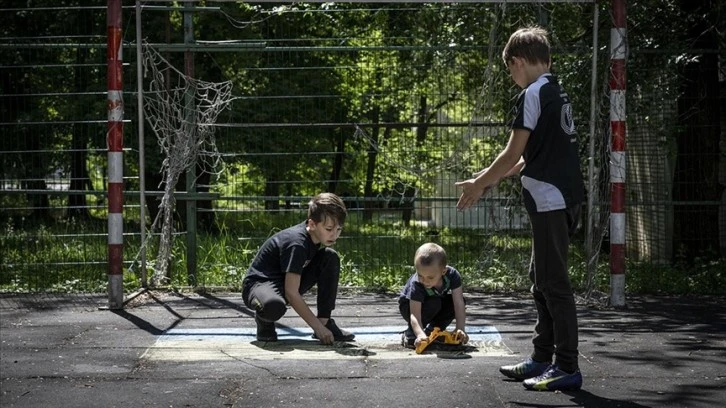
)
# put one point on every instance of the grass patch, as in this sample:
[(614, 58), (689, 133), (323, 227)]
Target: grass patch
[(70, 257)]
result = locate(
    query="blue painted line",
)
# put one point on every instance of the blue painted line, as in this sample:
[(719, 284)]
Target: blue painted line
[(376, 334)]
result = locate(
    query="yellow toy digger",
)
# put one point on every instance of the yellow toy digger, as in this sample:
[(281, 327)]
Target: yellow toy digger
[(449, 338)]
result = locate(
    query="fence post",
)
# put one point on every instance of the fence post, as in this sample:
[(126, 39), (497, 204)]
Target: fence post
[(191, 174), (593, 196), (114, 139), (142, 150), (618, 55)]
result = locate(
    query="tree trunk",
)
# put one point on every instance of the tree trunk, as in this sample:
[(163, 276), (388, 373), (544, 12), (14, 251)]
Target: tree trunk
[(80, 179), (272, 189), (422, 115), (371, 167), (35, 173), (205, 215), (337, 162)]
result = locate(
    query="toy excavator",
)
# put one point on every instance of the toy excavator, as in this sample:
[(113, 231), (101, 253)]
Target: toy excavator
[(449, 338)]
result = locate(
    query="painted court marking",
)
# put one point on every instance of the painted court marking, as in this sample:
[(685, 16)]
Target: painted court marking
[(382, 342)]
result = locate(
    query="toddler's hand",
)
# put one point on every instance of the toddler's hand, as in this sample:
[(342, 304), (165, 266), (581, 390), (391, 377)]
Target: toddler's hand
[(461, 336), (419, 340)]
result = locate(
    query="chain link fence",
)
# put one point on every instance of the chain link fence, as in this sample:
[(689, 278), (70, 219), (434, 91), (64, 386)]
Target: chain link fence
[(367, 101)]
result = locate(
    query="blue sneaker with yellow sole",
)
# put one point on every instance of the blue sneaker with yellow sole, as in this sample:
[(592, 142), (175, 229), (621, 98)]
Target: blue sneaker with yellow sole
[(555, 379), (526, 369)]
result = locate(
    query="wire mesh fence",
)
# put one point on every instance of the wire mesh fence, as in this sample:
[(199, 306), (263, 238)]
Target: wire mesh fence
[(386, 105)]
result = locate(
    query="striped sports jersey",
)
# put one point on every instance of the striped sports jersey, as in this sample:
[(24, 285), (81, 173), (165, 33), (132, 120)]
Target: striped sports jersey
[(551, 177)]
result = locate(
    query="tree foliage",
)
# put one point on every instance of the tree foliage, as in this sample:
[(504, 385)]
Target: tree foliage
[(368, 100)]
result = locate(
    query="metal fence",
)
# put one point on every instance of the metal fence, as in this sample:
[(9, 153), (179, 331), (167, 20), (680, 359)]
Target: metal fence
[(388, 123)]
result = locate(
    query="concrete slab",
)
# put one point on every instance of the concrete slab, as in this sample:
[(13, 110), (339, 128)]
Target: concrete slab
[(186, 350), (375, 343)]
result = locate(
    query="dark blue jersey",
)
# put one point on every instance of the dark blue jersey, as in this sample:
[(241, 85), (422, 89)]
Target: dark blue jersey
[(290, 250), (551, 177), (415, 290)]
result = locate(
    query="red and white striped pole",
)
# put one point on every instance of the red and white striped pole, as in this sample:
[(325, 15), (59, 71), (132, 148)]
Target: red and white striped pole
[(618, 55), (114, 140)]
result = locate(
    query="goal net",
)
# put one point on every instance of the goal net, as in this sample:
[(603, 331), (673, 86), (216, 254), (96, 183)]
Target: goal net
[(182, 112)]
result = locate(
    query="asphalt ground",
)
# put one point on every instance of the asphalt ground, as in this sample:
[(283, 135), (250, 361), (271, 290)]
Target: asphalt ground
[(199, 350)]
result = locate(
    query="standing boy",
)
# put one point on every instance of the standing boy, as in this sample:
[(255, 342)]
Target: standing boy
[(290, 263), (432, 297), (543, 149)]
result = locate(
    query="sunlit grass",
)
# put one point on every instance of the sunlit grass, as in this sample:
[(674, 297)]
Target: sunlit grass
[(70, 256)]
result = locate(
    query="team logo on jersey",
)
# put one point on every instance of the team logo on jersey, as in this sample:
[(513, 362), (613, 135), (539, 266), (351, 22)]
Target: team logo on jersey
[(566, 121)]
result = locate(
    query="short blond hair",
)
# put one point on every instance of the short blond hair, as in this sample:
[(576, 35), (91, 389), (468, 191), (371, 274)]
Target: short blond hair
[(430, 254)]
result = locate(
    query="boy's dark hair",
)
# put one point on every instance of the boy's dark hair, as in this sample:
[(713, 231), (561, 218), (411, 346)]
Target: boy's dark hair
[(327, 205), (430, 254), (530, 43)]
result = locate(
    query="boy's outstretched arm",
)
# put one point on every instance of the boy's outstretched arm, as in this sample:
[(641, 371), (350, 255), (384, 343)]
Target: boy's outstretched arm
[(514, 170), (296, 301), (508, 162)]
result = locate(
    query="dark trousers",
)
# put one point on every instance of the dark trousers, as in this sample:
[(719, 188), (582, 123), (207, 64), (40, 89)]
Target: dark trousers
[(556, 329), (267, 298), (435, 312)]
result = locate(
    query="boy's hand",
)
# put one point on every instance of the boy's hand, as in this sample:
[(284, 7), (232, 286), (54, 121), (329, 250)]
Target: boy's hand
[(461, 336), (471, 193), (324, 335)]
